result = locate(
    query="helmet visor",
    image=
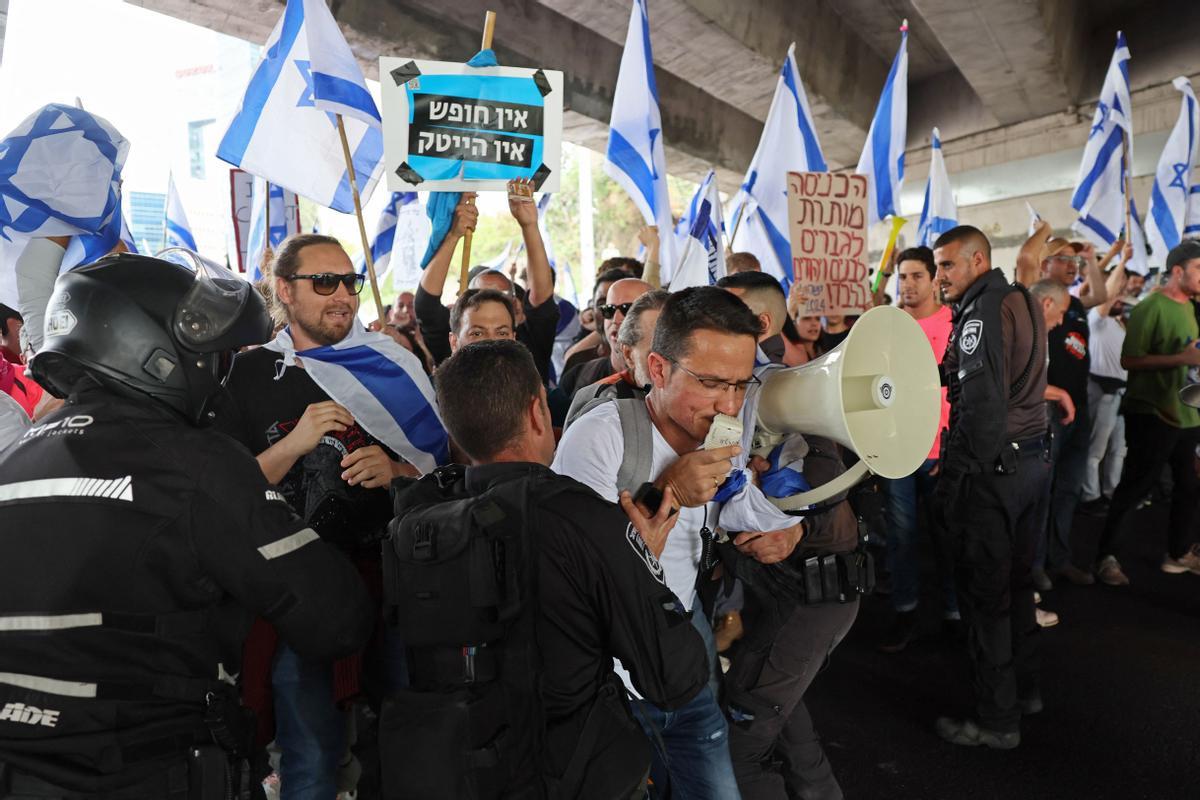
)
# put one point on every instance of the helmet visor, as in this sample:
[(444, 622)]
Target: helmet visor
[(214, 304)]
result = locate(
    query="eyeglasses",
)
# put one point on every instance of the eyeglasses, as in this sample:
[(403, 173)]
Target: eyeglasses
[(719, 384), (326, 283), (1078, 261), (609, 311)]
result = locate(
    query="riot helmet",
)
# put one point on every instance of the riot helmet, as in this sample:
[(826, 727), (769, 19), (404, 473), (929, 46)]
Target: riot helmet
[(166, 327)]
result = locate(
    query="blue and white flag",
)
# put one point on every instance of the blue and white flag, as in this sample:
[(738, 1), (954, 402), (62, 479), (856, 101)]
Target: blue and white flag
[(882, 159), (939, 214), (384, 388), (283, 223), (87, 248), (1100, 190), (788, 144), (543, 204), (702, 262), (60, 174), (1173, 179), (1191, 225), (635, 158), (1034, 218), (286, 129), (385, 234), (177, 231)]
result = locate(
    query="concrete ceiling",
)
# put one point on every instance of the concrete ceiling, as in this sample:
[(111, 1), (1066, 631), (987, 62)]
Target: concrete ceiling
[(999, 77)]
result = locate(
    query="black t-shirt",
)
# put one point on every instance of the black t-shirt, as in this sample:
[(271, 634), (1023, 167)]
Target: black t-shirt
[(537, 332), (1069, 356), (264, 410)]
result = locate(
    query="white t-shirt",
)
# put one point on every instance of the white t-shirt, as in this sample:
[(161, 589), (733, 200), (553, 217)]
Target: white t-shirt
[(591, 451), (1106, 339)]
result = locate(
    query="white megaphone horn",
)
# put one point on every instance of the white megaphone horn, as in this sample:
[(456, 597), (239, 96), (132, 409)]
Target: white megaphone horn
[(878, 393)]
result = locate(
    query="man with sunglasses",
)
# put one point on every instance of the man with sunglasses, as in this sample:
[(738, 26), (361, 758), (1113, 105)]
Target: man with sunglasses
[(312, 448), (701, 364), (620, 297)]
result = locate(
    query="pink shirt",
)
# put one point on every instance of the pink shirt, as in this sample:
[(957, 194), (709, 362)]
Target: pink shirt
[(937, 327)]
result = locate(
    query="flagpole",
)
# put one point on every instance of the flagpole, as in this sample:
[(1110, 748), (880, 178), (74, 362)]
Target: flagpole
[(362, 227), (267, 220), (737, 222), (489, 29), (1125, 165)]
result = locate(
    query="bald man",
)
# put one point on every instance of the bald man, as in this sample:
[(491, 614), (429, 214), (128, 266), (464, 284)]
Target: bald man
[(991, 490), (620, 297)]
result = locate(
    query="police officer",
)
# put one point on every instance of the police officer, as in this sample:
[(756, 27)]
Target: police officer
[(137, 547), (993, 469), (599, 593)]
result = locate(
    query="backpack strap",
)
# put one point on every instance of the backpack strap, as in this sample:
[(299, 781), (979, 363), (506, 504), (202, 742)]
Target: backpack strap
[(588, 398), (637, 432)]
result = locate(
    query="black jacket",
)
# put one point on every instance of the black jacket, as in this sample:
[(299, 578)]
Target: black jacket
[(136, 552)]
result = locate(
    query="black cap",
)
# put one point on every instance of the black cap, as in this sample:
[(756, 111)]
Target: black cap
[(1183, 252)]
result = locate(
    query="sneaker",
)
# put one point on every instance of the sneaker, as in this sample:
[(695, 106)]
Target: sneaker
[(1096, 507), (1045, 619), (1188, 562), (1075, 575), (1041, 581), (903, 631), (968, 733), (1109, 571)]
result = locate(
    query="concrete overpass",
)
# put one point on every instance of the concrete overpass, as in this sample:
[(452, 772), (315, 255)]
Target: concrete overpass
[(1010, 83)]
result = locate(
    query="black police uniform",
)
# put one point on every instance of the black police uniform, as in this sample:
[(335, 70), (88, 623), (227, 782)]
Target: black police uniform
[(791, 629), (136, 549), (600, 595), (992, 486)]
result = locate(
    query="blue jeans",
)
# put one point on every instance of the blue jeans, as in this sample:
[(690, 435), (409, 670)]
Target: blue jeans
[(902, 550), (1068, 454), (310, 730), (696, 738)]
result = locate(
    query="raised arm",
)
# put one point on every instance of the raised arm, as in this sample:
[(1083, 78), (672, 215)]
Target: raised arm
[(1095, 291), (539, 276), (1029, 265), (466, 215)]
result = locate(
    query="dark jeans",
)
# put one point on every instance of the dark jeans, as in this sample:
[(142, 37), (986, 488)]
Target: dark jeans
[(1068, 455), (310, 729), (776, 752), (1151, 444), (994, 547), (902, 536)]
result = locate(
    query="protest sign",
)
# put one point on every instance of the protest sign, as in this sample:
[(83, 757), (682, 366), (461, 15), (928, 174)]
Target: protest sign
[(827, 216), (452, 127), (285, 214)]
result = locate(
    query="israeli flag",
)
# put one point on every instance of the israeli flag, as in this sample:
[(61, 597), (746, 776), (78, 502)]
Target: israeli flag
[(1034, 218), (542, 205), (1139, 261), (88, 248), (178, 231), (286, 129), (60, 174), (1191, 225), (383, 386), (702, 262), (1100, 190), (385, 234), (1173, 178), (788, 144), (635, 157), (882, 159), (283, 224), (939, 214)]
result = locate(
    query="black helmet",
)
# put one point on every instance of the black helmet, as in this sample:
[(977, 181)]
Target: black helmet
[(164, 327)]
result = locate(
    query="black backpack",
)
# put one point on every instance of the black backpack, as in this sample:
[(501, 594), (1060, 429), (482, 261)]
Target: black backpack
[(460, 583)]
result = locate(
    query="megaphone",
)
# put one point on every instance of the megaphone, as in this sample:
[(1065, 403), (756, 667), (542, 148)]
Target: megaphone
[(1190, 395), (878, 393)]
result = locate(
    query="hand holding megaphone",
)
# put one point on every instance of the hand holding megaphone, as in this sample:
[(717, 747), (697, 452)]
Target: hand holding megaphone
[(694, 477)]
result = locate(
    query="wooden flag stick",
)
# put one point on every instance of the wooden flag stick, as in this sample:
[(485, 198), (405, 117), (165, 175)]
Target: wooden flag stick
[(362, 227), (489, 29)]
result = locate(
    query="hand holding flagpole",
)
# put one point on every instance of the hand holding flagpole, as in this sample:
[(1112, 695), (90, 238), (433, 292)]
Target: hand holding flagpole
[(489, 29)]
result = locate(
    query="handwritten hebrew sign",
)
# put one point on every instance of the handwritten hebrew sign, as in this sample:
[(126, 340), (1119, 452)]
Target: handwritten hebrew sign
[(451, 127), (827, 216)]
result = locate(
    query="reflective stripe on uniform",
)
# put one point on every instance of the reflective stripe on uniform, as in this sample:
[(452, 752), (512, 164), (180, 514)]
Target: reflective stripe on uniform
[(55, 622), (281, 547), (109, 488), (49, 685)]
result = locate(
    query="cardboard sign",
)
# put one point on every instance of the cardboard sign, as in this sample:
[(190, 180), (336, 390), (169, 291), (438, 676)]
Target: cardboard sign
[(451, 127), (285, 217), (827, 221)]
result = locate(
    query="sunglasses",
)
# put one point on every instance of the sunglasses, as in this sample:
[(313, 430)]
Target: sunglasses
[(326, 283), (1078, 261), (609, 311)]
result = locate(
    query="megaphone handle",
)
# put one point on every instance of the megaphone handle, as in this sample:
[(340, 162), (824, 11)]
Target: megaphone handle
[(798, 502)]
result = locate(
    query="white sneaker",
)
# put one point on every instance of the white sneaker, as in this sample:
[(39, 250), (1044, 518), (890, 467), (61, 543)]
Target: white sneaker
[(1045, 619)]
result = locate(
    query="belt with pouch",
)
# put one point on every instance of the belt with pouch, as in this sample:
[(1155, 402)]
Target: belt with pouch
[(835, 577)]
